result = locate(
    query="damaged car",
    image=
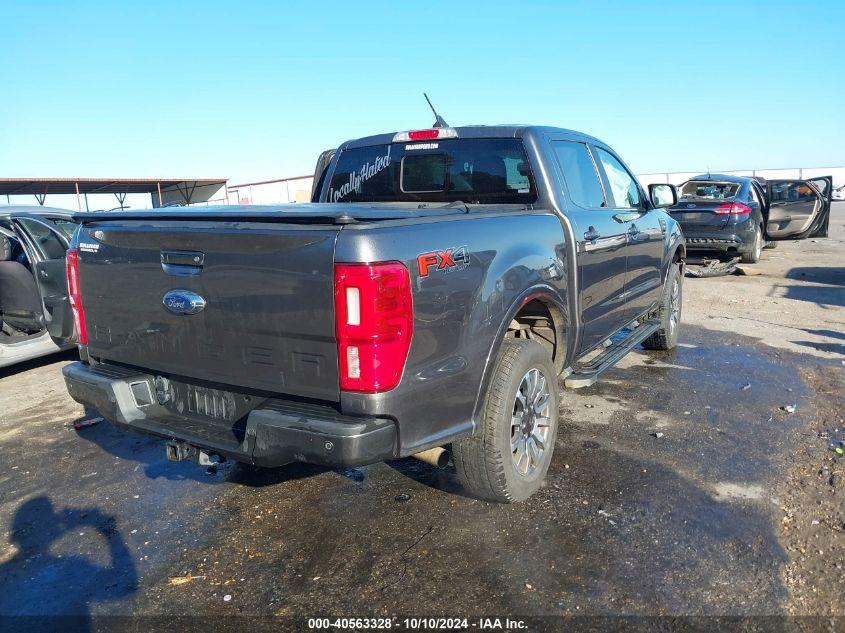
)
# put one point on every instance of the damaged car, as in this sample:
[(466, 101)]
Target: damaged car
[(738, 215), (34, 311)]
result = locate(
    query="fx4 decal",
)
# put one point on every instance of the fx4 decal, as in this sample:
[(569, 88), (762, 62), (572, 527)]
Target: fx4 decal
[(448, 260)]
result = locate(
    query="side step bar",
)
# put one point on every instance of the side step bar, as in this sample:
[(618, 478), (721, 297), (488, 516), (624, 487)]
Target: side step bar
[(587, 374)]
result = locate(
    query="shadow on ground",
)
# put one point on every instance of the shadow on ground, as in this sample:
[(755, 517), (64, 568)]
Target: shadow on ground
[(149, 451), (832, 277), (52, 574)]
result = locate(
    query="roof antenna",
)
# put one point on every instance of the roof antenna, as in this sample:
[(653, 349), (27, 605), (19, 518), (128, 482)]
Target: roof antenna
[(438, 120)]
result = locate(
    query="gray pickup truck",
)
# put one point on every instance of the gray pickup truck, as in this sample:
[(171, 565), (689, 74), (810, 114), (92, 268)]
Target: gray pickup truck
[(432, 297)]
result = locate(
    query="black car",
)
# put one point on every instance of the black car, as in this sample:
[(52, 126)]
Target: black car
[(33, 290), (739, 214)]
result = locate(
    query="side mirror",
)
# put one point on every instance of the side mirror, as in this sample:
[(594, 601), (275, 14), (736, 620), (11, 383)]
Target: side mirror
[(663, 195)]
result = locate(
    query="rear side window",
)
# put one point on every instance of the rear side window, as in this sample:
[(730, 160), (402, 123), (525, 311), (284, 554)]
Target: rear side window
[(479, 171), (580, 174), (623, 186), (65, 226), (708, 190)]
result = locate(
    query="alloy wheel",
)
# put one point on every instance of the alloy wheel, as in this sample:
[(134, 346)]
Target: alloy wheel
[(674, 305), (530, 422)]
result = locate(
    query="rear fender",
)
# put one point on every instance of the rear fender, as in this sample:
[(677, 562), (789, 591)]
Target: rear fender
[(563, 335), (676, 249)]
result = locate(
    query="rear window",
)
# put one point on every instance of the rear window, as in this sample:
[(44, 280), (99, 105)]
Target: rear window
[(479, 171), (706, 190)]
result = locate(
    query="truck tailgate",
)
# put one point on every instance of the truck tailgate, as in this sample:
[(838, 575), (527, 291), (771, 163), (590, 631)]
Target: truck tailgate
[(268, 320)]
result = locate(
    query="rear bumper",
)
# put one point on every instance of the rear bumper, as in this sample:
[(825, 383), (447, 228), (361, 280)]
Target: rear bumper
[(740, 241), (720, 232), (276, 433)]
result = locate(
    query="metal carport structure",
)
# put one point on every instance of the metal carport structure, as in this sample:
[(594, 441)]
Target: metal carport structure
[(162, 190)]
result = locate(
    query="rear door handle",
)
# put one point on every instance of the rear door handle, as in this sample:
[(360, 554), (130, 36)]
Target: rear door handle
[(182, 263), (592, 235)]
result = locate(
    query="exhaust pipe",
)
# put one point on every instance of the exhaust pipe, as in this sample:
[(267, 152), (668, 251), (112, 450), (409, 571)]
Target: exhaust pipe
[(437, 457)]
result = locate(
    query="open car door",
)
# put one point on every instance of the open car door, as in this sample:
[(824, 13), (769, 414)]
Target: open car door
[(45, 245), (798, 209)]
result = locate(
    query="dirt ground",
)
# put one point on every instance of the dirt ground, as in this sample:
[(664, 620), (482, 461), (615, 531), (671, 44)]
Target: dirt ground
[(679, 487)]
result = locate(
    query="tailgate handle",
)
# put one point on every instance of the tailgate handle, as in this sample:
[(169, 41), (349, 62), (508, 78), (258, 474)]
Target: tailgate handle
[(182, 263)]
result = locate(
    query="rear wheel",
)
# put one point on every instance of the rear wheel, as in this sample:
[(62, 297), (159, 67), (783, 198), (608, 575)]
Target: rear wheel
[(669, 312), (506, 459), (753, 256)]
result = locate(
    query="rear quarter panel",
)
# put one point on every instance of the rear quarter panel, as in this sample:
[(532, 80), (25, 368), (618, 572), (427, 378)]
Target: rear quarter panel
[(460, 312)]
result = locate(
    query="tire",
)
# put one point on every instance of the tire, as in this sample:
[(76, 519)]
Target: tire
[(753, 256), (669, 312), (495, 462), (770, 246)]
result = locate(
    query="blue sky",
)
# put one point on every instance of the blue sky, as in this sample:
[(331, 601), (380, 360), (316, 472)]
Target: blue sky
[(253, 90)]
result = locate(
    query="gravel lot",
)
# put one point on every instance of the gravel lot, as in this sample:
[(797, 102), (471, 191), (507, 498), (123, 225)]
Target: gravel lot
[(737, 509)]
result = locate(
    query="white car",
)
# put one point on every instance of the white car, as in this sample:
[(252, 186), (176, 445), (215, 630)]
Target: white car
[(838, 193)]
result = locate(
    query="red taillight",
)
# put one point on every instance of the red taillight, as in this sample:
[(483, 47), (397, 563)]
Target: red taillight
[(374, 321), (75, 296), (732, 208)]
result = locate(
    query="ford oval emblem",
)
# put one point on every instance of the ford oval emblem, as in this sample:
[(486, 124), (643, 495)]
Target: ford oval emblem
[(183, 302)]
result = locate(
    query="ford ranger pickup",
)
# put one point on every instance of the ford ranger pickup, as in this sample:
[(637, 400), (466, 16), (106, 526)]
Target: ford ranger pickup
[(432, 296)]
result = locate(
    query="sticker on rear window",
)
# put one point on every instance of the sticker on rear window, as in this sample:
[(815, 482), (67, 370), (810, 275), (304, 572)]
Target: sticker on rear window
[(367, 171), (422, 146)]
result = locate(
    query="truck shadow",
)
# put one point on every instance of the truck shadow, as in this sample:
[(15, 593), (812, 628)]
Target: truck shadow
[(255, 477), (50, 576), (148, 451), (833, 347), (828, 288), (441, 479)]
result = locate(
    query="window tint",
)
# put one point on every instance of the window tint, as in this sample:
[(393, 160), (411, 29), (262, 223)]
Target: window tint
[(579, 172), (49, 243), (492, 171), (424, 173), (623, 187)]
